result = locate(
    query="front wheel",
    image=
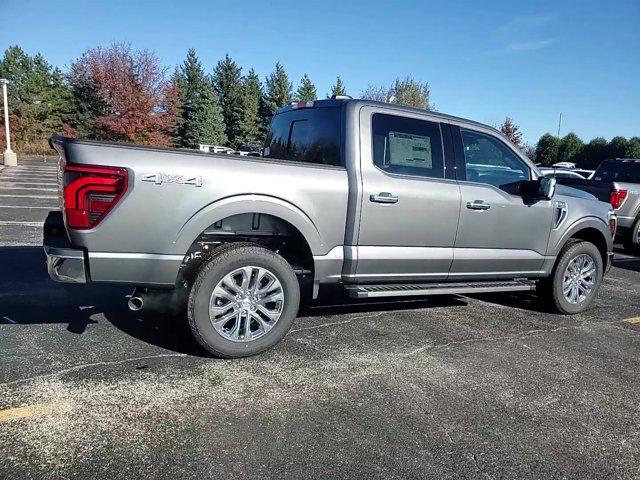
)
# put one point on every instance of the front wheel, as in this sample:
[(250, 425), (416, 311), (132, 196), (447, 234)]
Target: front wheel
[(243, 301), (576, 278)]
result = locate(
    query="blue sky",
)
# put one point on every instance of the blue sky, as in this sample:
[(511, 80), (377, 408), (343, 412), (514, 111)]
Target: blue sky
[(529, 60)]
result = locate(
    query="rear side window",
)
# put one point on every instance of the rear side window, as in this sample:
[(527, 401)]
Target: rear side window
[(407, 146), (307, 135), (618, 171)]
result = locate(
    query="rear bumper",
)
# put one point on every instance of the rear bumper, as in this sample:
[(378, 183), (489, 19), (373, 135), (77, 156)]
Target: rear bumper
[(64, 263)]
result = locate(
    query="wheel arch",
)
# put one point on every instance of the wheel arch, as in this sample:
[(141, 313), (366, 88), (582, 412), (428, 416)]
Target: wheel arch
[(248, 204), (287, 235), (592, 230)]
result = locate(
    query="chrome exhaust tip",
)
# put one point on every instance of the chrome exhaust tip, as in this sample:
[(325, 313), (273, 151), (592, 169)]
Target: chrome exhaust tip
[(135, 302)]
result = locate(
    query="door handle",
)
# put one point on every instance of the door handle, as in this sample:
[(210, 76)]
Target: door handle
[(478, 205), (384, 197)]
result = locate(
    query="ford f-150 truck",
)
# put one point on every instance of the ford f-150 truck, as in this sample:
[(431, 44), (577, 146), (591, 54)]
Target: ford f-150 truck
[(388, 201)]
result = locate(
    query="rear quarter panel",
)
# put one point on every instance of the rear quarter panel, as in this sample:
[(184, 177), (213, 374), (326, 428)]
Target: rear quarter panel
[(166, 218)]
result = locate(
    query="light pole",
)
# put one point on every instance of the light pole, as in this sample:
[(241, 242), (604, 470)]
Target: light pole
[(10, 158)]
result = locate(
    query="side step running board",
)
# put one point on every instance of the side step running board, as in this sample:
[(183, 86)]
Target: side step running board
[(407, 290)]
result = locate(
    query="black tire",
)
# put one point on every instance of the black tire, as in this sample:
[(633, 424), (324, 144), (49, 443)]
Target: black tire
[(551, 288), (631, 238), (213, 271)]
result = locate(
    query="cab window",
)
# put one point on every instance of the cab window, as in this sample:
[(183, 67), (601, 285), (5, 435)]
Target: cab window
[(307, 135), (407, 146), (488, 160)]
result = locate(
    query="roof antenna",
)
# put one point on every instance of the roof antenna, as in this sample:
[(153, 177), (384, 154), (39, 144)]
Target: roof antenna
[(559, 123)]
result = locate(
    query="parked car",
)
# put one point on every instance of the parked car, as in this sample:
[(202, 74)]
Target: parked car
[(560, 173), (384, 200), (564, 165), (215, 149), (617, 181)]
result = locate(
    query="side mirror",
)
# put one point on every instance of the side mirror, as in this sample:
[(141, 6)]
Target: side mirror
[(546, 187)]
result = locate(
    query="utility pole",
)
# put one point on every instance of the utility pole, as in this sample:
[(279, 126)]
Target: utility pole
[(10, 158), (559, 123)]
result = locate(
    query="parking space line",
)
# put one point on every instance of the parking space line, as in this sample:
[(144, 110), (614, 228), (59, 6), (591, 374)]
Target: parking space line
[(48, 197), (14, 178), (27, 184), (37, 410), (30, 188), (20, 206), (26, 170), (18, 222)]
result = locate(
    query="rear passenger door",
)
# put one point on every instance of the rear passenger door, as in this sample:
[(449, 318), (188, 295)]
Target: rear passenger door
[(500, 233), (409, 208)]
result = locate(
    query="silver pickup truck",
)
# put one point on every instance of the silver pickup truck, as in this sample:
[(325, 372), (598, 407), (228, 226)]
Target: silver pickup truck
[(624, 197), (387, 201), (616, 181)]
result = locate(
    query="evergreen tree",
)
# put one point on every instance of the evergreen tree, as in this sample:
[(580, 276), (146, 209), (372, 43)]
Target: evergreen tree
[(40, 101), (227, 81), (278, 93), (547, 149), (570, 148), (307, 90), (617, 147), (252, 128), (593, 153), (633, 148), (338, 88), (202, 121)]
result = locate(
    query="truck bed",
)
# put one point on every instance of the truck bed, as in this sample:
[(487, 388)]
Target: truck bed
[(600, 190), (173, 196)]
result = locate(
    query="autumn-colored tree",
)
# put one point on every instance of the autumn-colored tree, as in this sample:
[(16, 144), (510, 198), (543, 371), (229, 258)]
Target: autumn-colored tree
[(512, 132), (403, 91), (128, 91)]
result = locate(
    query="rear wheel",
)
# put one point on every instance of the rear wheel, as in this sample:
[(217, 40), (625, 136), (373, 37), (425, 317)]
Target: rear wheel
[(243, 301), (576, 278), (632, 238)]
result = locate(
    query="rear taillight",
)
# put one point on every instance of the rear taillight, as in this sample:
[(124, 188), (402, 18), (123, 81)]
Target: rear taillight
[(617, 197), (90, 192)]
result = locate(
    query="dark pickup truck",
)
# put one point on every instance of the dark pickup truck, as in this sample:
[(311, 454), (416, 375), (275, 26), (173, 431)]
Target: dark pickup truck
[(617, 182)]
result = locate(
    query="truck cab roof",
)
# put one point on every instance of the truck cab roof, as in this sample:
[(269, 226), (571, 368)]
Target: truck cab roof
[(340, 101)]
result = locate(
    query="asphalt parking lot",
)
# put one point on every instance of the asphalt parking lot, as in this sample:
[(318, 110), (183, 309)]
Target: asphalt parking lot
[(452, 387)]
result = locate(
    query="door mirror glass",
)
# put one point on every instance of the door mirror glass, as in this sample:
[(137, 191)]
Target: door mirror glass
[(546, 187)]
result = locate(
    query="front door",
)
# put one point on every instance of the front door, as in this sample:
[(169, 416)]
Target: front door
[(409, 208), (500, 233)]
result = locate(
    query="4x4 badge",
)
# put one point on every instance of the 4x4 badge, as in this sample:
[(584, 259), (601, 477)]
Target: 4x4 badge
[(160, 178)]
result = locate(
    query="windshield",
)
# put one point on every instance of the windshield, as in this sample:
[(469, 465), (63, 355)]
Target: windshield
[(618, 171)]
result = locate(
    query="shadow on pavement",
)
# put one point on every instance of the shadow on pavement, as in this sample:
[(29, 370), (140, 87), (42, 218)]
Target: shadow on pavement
[(629, 263), (29, 297), (525, 300), (333, 301)]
